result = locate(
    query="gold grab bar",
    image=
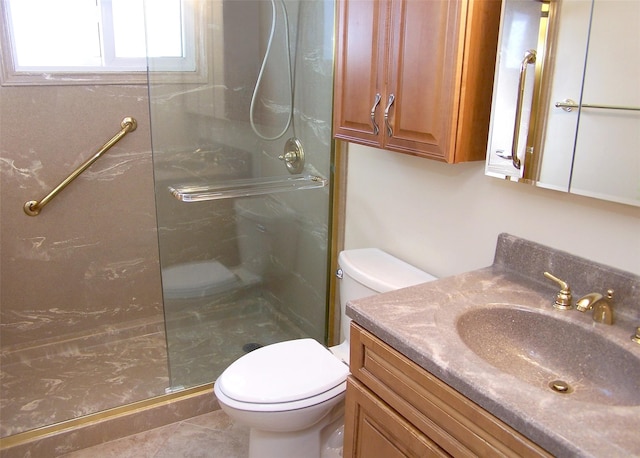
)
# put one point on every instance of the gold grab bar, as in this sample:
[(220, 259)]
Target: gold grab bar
[(569, 105), (33, 207)]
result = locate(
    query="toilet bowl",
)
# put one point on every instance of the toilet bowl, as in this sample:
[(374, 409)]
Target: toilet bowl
[(299, 378), (291, 393)]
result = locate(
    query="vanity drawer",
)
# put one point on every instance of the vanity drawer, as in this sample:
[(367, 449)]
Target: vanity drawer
[(455, 423)]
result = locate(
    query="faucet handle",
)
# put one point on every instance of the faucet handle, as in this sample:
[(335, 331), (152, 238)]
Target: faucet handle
[(563, 298)]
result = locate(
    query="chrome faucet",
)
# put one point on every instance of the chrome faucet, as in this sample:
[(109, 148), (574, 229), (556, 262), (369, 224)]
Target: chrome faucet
[(602, 311)]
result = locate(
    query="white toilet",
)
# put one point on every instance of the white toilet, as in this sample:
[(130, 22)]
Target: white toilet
[(266, 234), (290, 393)]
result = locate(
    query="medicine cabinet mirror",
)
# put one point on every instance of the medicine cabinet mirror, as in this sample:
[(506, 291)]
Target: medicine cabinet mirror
[(566, 103)]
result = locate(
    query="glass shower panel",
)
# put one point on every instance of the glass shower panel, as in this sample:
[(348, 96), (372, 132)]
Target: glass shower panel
[(247, 267)]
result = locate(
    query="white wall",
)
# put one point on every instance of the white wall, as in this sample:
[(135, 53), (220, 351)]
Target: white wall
[(445, 219)]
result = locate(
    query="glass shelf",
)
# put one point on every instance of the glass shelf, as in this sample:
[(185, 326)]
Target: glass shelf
[(245, 188)]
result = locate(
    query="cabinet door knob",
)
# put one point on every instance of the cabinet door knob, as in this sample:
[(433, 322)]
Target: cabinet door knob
[(376, 102), (392, 99)]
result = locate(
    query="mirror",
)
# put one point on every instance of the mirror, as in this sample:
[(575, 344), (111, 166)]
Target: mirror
[(571, 112)]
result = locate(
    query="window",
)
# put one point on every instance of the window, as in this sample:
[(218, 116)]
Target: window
[(85, 39)]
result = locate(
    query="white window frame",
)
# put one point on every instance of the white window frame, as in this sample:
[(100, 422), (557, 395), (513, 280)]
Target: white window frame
[(163, 70)]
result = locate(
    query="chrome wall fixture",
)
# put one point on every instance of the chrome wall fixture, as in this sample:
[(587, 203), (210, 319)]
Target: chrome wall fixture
[(569, 105), (293, 156), (33, 207)]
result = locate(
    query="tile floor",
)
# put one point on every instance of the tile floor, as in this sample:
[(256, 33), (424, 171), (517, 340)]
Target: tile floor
[(212, 435)]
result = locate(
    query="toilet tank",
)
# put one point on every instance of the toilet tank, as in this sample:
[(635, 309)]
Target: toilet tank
[(369, 271)]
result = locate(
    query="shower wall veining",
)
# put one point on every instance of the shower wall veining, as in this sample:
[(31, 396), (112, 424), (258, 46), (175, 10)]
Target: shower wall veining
[(80, 292), (81, 303), (215, 142), (90, 259)]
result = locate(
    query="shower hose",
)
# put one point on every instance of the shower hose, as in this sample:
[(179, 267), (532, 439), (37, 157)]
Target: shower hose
[(262, 68)]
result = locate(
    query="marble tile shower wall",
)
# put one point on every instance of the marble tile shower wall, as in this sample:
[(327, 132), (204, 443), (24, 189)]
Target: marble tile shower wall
[(86, 270), (217, 114), (82, 279)]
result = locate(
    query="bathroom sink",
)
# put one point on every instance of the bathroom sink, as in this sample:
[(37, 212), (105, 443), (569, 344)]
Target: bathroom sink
[(553, 354)]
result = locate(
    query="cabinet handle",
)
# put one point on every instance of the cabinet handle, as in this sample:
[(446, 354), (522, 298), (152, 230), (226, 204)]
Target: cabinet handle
[(392, 99), (529, 58), (373, 114)]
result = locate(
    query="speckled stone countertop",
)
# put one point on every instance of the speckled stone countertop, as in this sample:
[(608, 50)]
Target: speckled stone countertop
[(421, 323)]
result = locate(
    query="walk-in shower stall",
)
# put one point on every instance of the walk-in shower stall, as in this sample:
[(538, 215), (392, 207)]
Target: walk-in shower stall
[(200, 236), (241, 153)]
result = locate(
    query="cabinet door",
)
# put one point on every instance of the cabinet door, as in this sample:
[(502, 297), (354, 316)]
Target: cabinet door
[(373, 429), (360, 70), (606, 161), (422, 76)]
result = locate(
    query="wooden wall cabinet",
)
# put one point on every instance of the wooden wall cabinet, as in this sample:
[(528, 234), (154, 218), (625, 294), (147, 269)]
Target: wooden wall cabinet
[(394, 408), (416, 76)]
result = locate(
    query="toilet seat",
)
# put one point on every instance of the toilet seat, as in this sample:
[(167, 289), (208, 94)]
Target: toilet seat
[(335, 392), (283, 376)]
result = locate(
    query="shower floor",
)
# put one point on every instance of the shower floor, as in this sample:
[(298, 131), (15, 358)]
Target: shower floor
[(58, 381), (202, 343)]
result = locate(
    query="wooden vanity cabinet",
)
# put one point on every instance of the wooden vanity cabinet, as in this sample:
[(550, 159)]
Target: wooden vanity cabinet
[(416, 76), (395, 408)]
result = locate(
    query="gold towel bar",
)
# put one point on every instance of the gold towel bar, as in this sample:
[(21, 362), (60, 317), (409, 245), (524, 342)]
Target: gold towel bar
[(33, 207)]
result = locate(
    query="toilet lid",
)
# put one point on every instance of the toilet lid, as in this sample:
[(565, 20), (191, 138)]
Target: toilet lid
[(283, 372)]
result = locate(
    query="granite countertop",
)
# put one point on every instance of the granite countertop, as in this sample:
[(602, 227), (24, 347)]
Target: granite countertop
[(420, 322)]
